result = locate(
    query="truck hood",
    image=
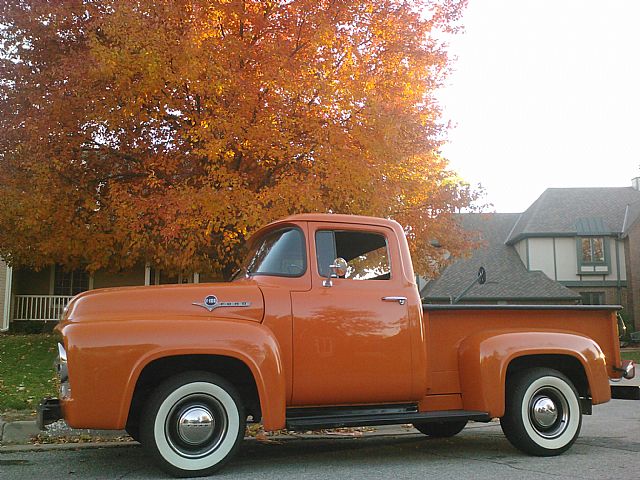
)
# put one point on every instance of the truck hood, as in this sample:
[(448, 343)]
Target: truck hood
[(241, 300)]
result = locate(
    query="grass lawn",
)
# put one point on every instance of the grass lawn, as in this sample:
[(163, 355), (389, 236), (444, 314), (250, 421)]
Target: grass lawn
[(631, 355), (26, 370)]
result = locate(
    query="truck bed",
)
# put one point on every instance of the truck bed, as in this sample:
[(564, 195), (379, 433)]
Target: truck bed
[(447, 326)]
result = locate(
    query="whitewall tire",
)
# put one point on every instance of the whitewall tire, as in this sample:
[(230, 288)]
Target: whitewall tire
[(542, 415), (193, 423)]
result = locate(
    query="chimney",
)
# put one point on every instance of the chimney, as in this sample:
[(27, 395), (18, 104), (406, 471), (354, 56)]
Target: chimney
[(635, 183)]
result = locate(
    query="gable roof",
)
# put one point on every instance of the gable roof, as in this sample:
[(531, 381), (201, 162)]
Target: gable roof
[(579, 211), (507, 277)]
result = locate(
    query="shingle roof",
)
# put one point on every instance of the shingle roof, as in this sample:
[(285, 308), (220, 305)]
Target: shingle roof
[(567, 210), (507, 276)]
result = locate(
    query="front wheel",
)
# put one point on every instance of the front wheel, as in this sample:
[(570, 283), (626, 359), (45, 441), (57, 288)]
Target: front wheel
[(542, 412), (193, 424), (441, 429)]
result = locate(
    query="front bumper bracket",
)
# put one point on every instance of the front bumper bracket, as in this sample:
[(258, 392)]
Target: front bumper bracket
[(49, 411)]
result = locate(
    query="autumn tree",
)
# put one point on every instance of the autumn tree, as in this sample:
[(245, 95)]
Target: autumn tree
[(166, 131)]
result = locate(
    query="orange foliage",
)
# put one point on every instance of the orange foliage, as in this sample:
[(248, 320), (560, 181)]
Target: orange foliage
[(166, 131)]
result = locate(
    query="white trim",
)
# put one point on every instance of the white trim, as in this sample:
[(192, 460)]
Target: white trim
[(196, 277), (91, 281), (147, 274), (624, 222), (6, 314)]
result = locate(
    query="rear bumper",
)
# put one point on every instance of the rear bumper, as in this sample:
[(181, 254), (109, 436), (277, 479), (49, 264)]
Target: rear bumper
[(49, 411), (628, 369)]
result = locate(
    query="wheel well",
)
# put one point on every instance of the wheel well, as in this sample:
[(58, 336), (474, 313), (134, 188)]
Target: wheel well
[(231, 369), (566, 364)]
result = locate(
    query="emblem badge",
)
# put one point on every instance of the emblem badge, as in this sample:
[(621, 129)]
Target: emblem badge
[(211, 302)]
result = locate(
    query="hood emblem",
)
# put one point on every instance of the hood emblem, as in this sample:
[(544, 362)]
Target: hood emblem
[(211, 302)]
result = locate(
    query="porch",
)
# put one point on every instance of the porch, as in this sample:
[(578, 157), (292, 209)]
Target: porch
[(41, 308)]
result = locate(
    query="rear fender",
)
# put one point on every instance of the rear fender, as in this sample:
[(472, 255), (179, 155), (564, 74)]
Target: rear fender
[(485, 356)]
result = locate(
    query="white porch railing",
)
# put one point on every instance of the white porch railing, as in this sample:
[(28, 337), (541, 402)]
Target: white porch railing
[(44, 308)]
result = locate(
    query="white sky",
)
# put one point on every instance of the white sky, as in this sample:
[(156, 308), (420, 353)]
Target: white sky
[(546, 93)]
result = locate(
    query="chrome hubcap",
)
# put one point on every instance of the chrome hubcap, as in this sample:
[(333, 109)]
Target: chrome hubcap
[(545, 412), (195, 425), (549, 412)]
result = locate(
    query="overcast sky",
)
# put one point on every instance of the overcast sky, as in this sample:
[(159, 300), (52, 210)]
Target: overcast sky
[(546, 93)]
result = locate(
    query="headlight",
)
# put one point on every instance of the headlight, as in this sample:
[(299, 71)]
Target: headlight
[(63, 372)]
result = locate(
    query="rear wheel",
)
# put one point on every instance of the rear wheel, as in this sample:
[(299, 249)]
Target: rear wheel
[(193, 424), (542, 412), (441, 429)]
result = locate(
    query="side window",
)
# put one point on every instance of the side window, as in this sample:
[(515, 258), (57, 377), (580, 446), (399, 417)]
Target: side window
[(280, 253), (367, 254)]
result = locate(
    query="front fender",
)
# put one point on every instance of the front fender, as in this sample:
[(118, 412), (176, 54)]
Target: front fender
[(485, 356), (106, 360)]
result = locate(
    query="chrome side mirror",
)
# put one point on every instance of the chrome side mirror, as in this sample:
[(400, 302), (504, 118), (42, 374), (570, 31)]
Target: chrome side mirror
[(338, 268)]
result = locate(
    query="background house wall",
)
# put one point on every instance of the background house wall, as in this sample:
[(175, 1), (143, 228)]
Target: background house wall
[(566, 259), (542, 256), (522, 249), (32, 282), (133, 277)]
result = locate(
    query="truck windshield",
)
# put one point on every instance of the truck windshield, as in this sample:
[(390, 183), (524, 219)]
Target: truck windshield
[(279, 253)]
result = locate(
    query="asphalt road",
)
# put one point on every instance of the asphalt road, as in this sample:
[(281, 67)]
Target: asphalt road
[(608, 447)]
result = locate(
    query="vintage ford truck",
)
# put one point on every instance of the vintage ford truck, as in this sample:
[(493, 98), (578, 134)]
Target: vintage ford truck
[(324, 327)]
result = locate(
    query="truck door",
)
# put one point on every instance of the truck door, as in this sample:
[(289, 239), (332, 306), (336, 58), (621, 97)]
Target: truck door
[(351, 339)]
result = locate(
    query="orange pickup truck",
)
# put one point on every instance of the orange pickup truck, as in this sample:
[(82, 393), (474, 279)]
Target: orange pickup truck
[(323, 327)]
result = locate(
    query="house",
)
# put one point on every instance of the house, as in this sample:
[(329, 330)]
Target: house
[(585, 240), (508, 279), (27, 295)]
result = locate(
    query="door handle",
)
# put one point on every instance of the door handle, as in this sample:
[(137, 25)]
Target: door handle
[(400, 300)]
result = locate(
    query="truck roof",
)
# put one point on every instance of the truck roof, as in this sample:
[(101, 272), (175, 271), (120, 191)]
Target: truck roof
[(336, 218), (333, 218)]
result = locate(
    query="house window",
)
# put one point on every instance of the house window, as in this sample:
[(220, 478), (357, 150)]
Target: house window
[(593, 250), (592, 298), (70, 282), (593, 255)]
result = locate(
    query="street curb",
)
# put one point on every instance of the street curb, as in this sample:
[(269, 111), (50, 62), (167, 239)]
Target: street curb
[(22, 432), (382, 431), (5, 449)]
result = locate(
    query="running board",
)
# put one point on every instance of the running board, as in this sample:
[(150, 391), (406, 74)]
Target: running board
[(334, 417)]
